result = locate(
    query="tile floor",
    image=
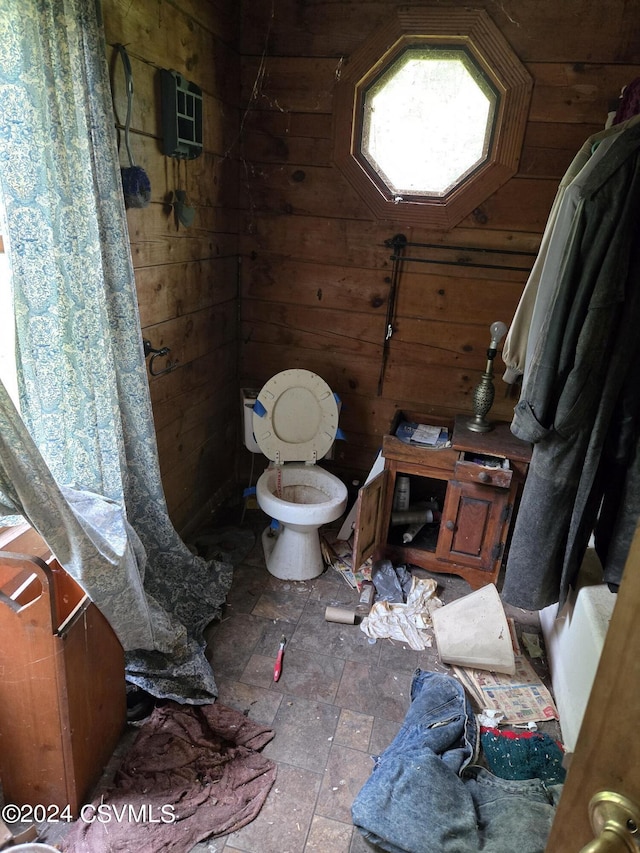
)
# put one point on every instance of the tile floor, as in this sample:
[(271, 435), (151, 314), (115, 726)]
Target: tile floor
[(340, 700)]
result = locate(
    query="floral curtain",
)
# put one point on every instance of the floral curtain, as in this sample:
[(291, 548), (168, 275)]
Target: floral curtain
[(84, 394)]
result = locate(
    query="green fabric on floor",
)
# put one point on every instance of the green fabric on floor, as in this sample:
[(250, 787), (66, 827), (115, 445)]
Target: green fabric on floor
[(533, 755)]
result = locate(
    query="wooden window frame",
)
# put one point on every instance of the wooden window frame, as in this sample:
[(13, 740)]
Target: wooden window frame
[(474, 31)]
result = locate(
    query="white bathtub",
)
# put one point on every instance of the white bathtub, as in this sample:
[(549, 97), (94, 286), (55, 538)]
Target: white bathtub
[(574, 641)]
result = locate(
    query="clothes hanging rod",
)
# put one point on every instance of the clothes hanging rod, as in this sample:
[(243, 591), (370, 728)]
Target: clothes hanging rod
[(399, 241), (444, 246), (461, 264)]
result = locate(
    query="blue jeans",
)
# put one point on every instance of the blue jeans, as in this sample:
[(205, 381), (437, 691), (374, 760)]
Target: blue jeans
[(425, 796)]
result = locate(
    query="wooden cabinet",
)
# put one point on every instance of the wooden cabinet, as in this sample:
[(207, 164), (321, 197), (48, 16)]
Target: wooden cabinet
[(62, 691), (475, 482)]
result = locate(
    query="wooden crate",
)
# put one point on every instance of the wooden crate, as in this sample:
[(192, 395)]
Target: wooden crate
[(62, 684)]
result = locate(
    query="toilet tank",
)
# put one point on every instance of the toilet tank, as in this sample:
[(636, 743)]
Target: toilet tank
[(248, 397)]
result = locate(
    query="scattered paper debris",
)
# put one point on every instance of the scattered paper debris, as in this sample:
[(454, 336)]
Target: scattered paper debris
[(532, 645), (337, 553), (405, 622), (521, 697), (490, 717)]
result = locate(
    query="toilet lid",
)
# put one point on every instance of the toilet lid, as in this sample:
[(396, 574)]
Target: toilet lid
[(295, 417)]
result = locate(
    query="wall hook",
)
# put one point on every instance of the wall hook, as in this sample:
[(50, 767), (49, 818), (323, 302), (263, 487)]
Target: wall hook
[(150, 350)]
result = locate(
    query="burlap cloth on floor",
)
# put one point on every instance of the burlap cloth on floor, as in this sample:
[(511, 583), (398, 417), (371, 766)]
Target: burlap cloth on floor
[(193, 772)]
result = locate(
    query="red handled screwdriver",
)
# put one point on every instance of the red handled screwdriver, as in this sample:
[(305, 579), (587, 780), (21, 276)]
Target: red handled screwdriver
[(277, 668)]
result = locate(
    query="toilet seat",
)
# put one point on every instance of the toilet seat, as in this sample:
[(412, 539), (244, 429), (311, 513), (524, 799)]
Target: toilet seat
[(295, 417)]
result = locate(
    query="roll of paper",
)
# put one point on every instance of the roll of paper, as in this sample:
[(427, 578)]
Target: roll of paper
[(340, 614), (418, 516)]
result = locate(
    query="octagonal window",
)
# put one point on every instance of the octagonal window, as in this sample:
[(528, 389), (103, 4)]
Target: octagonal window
[(430, 114), (427, 121)]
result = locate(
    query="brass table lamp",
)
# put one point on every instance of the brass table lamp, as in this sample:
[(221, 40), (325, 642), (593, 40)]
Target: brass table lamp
[(484, 391)]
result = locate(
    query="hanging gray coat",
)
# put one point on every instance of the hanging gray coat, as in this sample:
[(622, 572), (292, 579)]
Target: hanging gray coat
[(580, 404)]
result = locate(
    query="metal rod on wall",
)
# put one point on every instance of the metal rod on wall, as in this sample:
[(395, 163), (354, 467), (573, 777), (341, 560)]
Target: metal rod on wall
[(466, 264), (463, 261), (397, 243)]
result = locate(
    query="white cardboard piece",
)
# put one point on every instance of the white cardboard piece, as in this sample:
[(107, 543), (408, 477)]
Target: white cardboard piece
[(473, 631)]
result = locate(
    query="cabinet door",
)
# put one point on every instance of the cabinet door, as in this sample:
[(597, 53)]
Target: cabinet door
[(370, 519), (474, 524)]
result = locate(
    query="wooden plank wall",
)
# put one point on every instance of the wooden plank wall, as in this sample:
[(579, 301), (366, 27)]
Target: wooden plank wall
[(186, 278), (315, 272)]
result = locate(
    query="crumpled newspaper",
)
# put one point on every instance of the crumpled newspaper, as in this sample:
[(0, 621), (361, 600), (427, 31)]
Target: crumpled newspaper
[(408, 621), (490, 717)]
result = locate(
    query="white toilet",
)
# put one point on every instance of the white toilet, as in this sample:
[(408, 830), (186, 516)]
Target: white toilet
[(295, 421)]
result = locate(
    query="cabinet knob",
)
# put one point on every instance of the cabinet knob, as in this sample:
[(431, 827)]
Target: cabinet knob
[(484, 477), (450, 525)]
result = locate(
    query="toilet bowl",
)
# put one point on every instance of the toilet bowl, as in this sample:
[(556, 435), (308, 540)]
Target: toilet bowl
[(295, 421)]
